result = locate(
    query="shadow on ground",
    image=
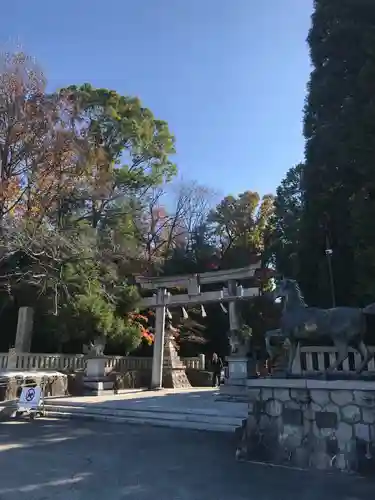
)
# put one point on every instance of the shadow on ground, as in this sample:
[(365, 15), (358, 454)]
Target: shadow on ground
[(49, 459)]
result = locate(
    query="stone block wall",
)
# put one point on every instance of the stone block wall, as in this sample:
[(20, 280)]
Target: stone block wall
[(136, 379), (311, 424), (131, 379), (54, 383)]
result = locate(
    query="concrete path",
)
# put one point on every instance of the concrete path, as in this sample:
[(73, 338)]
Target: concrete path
[(71, 460)]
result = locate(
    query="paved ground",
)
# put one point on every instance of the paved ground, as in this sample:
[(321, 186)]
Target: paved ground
[(71, 460)]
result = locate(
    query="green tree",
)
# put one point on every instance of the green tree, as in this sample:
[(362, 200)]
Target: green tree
[(338, 179), (93, 301), (240, 224), (76, 165), (284, 241), (233, 235), (128, 149)]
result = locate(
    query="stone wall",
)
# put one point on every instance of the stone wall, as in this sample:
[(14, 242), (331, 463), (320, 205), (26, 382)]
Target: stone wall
[(54, 383), (72, 384), (311, 424), (137, 379)]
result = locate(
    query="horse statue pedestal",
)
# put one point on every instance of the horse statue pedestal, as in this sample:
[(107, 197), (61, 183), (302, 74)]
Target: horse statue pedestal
[(324, 422), (306, 423), (234, 387), (237, 368)]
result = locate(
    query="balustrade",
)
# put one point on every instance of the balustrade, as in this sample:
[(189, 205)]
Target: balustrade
[(76, 362), (316, 359)]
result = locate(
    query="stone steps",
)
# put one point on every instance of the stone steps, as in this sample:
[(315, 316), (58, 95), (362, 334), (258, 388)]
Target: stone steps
[(179, 418)]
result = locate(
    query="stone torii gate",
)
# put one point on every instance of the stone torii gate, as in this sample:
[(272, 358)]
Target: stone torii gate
[(162, 299)]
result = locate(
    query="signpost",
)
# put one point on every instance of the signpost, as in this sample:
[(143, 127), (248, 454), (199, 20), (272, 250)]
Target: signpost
[(31, 401)]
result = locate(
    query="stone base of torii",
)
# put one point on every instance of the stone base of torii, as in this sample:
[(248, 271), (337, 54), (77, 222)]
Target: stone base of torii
[(161, 299)]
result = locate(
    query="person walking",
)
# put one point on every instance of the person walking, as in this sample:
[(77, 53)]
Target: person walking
[(217, 366)]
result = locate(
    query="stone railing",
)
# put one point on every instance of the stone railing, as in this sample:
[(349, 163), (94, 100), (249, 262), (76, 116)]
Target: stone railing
[(318, 359), (76, 362)]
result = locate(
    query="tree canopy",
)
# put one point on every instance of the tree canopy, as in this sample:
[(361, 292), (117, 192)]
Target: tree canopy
[(89, 198), (75, 167), (328, 203)]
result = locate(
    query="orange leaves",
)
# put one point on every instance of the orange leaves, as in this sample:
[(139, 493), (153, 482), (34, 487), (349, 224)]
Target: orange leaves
[(148, 338), (159, 213), (141, 321), (138, 317), (10, 188), (10, 192), (42, 149)]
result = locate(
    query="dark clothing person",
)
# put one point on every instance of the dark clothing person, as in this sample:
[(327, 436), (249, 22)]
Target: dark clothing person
[(217, 366), (116, 385), (216, 378)]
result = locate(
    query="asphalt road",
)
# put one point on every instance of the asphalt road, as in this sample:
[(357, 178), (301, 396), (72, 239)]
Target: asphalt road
[(71, 460)]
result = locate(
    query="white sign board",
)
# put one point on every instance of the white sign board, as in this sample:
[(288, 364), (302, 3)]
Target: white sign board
[(30, 398)]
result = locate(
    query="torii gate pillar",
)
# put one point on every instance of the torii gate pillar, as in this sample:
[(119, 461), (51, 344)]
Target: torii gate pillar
[(158, 356)]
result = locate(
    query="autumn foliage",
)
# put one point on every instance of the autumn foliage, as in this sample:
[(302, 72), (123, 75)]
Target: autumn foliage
[(86, 203)]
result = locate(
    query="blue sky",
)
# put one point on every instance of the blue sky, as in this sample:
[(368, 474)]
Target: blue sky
[(229, 76)]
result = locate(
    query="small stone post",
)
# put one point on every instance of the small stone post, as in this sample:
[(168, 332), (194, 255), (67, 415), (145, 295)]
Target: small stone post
[(24, 329), (202, 362), (12, 359)]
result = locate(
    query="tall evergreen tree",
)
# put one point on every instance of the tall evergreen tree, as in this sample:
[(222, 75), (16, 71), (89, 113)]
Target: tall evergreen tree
[(339, 176), (285, 222)]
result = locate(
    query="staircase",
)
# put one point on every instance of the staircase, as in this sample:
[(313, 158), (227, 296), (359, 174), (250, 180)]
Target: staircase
[(208, 419)]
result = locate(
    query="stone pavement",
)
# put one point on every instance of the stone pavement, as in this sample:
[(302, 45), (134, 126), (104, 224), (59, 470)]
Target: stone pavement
[(200, 399), (192, 399), (75, 460), (184, 408)]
